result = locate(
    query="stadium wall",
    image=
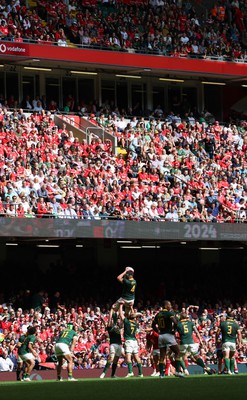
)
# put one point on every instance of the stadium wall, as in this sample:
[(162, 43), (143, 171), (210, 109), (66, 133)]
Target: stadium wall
[(96, 57), (118, 229)]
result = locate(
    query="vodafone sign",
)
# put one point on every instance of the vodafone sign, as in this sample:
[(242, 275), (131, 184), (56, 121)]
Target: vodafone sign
[(3, 48), (13, 48)]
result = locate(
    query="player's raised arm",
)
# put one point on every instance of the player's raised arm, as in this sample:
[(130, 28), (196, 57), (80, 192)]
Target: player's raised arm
[(110, 318), (121, 276)]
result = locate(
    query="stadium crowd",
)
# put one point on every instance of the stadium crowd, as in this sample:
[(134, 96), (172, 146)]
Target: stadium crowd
[(51, 316), (170, 169), (164, 27)]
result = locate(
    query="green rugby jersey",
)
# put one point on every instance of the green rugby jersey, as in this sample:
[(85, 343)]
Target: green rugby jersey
[(24, 349), (229, 330), (185, 330), (129, 288), (114, 334), (66, 336), (164, 321), (130, 327)]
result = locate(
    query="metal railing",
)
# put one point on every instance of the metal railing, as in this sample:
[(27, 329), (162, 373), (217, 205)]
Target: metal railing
[(236, 218), (144, 51)]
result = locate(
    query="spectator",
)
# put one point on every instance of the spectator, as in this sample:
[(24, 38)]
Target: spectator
[(209, 143), (6, 364)]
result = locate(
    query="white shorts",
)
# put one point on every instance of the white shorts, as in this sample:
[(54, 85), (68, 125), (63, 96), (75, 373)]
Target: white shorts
[(156, 352), (116, 349), (121, 300), (229, 346), (27, 356), (166, 339), (62, 349), (131, 347), (189, 348)]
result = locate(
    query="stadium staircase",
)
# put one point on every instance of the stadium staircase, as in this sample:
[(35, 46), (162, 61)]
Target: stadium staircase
[(85, 130)]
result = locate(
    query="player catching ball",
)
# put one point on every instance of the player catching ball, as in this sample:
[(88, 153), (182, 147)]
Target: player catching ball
[(127, 298)]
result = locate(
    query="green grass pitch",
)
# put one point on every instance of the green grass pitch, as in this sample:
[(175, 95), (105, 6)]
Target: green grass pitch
[(147, 388)]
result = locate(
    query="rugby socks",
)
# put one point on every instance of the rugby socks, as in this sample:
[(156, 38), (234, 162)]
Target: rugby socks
[(139, 366), (182, 364), (161, 368), (232, 364), (18, 373), (106, 367), (114, 367), (177, 365), (70, 375), (200, 362), (130, 368), (227, 364)]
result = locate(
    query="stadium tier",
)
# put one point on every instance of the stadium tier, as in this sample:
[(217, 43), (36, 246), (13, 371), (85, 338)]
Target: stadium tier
[(123, 141)]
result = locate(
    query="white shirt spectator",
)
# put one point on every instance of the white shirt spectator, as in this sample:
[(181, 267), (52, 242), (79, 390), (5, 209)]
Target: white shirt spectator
[(62, 42), (38, 107), (195, 48), (60, 212), (85, 39), (25, 204), (148, 202), (133, 122), (136, 193), (5, 362), (124, 34), (172, 215), (153, 212), (70, 212), (184, 39), (95, 213), (121, 124)]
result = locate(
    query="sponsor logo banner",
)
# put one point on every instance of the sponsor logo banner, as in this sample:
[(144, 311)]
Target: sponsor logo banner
[(13, 48)]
